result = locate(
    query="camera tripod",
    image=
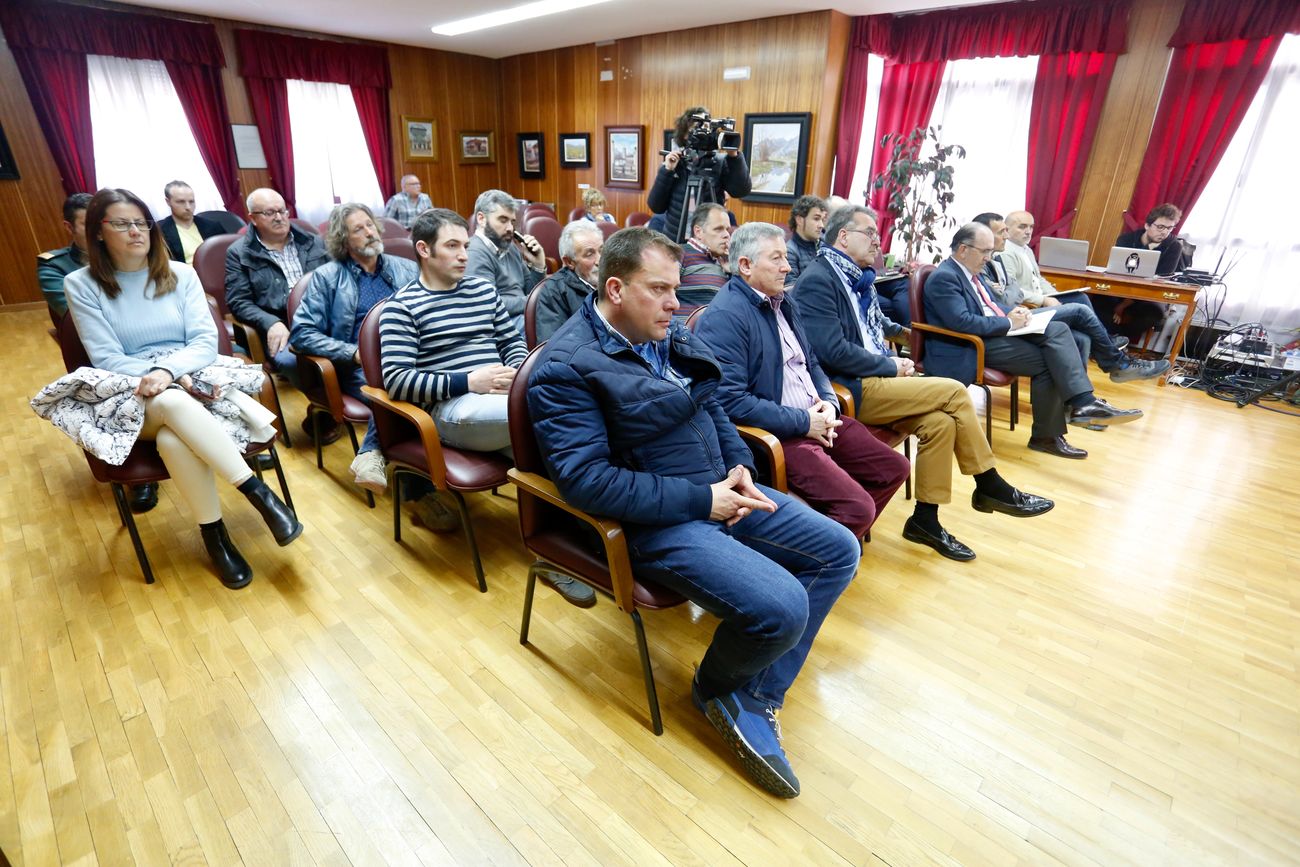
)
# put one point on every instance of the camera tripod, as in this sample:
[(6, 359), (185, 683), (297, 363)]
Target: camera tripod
[(701, 170), (1281, 385)]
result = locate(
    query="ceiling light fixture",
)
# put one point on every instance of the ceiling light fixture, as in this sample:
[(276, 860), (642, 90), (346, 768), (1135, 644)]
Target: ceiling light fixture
[(511, 16)]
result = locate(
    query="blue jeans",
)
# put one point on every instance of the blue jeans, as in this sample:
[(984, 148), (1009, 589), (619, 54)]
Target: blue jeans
[(285, 363), (771, 579), (1088, 333)]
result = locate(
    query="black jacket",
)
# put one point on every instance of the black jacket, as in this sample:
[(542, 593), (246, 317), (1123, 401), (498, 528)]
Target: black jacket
[(558, 297), (167, 225), (669, 190), (256, 290), (1172, 259)]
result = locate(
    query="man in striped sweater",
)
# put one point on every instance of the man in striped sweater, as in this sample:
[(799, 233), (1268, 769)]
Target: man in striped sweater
[(447, 343), (704, 258)]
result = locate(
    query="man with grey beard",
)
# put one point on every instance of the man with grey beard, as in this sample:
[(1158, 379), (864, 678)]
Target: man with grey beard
[(338, 296)]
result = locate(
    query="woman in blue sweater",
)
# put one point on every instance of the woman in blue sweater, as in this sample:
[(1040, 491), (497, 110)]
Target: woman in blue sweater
[(141, 314)]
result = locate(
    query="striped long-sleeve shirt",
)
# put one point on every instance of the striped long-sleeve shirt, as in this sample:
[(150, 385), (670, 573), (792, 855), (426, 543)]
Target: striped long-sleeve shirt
[(429, 342)]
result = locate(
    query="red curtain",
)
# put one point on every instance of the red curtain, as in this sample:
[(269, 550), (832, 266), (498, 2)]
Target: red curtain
[(203, 97), (1206, 94), (59, 87), (269, 98), (1069, 90), (1014, 29), (372, 109), (1225, 20), (907, 95), (853, 102), (271, 58)]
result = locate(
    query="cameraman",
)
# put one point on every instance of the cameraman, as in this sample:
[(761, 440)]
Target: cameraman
[(668, 195)]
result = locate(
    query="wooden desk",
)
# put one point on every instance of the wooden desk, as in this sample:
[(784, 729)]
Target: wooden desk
[(1124, 286)]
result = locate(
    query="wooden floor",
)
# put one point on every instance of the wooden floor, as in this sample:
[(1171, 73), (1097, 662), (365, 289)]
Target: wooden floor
[(1113, 683)]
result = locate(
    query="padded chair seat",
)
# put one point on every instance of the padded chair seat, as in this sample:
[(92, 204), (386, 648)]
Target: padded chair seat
[(142, 465), (355, 410), (886, 435), (997, 378), (466, 470), (561, 548)]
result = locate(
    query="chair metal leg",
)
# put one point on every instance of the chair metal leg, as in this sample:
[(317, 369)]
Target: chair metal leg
[(656, 722), (1015, 403), (528, 602), (396, 482), (279, 475), (124, 511), (469, 537), (988, 413), (907, 453), (315, 434)]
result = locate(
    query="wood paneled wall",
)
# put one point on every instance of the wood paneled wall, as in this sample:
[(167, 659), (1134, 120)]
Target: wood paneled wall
[(796, 64)]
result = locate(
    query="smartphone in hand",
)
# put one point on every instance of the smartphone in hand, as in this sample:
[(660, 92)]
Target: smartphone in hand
[(203, 390)]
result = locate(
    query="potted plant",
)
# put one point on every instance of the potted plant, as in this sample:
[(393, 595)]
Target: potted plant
[(919, 190)]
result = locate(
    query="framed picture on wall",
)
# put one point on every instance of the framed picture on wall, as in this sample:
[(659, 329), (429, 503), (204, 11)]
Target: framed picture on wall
[(776, 148), (575, 150), (8, 168), (420, 135), (532, 155), (625, 157), (476, 146)]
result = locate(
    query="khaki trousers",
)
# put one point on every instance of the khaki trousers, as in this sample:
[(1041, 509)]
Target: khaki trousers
[(192, 447), (939, 414)]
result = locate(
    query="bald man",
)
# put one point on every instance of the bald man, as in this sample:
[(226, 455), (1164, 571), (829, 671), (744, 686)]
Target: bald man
[(409, 203)]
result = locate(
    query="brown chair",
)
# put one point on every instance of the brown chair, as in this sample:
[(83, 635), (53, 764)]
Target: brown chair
[(210, 266), (307, 227), (546, 229), (607, 229), (323, 228), (577, 213), (561, 537), (229, 222), (144, 465), (768, 450), (534, 208), (409, 440), (403, 247), (636, 218), (530, 316), (390, 228), (984, 376), (319, 381)]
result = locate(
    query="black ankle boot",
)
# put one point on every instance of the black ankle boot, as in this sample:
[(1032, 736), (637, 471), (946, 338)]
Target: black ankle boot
[(284, 525), (232, 568)]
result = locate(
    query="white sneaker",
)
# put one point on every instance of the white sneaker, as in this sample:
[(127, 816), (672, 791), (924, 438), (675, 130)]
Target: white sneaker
[(369, 470)]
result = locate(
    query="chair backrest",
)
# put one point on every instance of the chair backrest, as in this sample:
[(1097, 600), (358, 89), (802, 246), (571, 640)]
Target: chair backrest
[(228, 222), (323, 228), (577, 213), (401, 247), (210, 265), (523, 439), (390, 228), (694, 319), (295, 298), (533, 208), (547, 232), (530, 315), (305, 226), (607, 229), (390, 427), (636, 218), (916, 300)]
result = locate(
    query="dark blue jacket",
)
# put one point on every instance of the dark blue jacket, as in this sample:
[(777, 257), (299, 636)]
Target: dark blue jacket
[(833, 329), (951, 302), (622, 442), (800, 254), (740, 328)]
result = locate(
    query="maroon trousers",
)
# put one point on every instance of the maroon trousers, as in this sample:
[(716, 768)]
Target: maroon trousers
[(850, 482)]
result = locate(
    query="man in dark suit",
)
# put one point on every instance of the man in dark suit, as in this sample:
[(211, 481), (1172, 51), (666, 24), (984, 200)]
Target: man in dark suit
[(956, 299), (771, 379), (848, 333), (183, 231)]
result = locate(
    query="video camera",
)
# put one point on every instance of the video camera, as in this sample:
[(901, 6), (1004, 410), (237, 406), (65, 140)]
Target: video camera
[(708, 134)]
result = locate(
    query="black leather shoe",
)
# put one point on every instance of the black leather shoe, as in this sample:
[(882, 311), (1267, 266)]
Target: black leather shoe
[(143, 497), (232, 568), (283, 523), (944, 543), (1021, 505), (1057, 446), (1101, 413)]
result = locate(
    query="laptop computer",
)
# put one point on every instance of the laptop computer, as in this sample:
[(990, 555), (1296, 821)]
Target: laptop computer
[(1063, 253), (1133, 262)]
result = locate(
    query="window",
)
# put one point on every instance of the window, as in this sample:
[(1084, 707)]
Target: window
[(1243, 213), (331, 163), (860, 191), (142, 137)]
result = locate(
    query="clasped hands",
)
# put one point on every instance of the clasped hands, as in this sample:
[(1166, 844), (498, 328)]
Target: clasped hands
[(492, 379), (736, 496)]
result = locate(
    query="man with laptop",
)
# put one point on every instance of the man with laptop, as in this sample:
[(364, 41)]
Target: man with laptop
[(1087, 330), (1158, 252)]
